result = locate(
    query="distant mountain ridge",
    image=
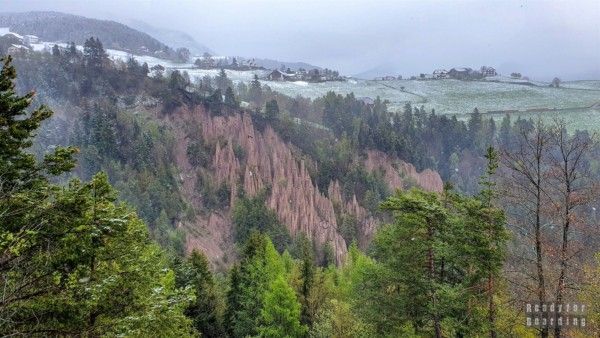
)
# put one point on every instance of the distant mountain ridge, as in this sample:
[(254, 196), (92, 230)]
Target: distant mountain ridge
[(56, 26), (172, 38), (276, 64)]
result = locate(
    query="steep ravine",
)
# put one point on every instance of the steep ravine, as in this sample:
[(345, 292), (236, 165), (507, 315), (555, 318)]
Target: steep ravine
[(270, 162)]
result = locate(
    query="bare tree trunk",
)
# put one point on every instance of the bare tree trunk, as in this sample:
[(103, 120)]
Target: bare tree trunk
[(571, 172), (491, 306), (527, 168), (538, 237)]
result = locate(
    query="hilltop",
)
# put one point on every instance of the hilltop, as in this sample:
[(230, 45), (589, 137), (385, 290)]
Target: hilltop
[(62, 27)]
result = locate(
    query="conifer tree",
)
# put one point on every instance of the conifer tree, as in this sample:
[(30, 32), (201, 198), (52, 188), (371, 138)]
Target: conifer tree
[(280, 316), (206, 311), (307, 274), (94, 55), (74, 262), (259, 267), (255, 91), (272, 110), (230, 99), (496, 235), (24, 195)]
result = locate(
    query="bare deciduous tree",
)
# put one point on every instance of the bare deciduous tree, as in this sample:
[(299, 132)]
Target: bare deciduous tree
[(572, 188), (525, 190)]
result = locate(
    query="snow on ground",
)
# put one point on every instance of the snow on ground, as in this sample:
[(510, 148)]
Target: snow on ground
[(494, 94), (235, 75), (582, 84), (450, 96)]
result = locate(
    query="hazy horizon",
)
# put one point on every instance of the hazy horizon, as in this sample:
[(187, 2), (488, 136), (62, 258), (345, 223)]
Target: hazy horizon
[(540, 39)]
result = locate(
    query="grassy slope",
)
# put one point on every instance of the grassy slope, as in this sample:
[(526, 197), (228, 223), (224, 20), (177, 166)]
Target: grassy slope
[(571, 101)]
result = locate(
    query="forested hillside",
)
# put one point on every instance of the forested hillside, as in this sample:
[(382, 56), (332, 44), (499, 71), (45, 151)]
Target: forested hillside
[(61, 27), (150, 204)]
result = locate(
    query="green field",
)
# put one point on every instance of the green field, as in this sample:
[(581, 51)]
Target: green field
[(578, 102), (454, 96)]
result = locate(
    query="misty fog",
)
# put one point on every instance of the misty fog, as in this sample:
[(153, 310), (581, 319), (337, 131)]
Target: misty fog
[(541, 39)]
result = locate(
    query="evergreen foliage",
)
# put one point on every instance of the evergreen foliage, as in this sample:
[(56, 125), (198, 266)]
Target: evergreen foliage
[(74, 261), (251, 214)]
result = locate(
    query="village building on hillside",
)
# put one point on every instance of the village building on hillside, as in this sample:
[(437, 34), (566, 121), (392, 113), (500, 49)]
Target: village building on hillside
[(467, 74), (278, 75), (17, 49), (29, 39), (440, 74), (301, 72), (488, 71), (385, 78), (460, 73), (313, 75)]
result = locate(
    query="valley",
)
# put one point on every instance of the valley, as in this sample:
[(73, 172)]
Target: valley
[(151, 189)]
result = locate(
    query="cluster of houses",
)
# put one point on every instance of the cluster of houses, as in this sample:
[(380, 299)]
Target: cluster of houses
[(464, 73), (460, 73), (17, 44), (388, 78), (208, 61), (312, 75)]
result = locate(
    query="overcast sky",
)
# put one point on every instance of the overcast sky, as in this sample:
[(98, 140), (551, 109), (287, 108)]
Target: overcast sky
[(538, 38)]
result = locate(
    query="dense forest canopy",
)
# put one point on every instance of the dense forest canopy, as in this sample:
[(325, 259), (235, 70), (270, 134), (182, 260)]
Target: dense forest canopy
[(91, 207)]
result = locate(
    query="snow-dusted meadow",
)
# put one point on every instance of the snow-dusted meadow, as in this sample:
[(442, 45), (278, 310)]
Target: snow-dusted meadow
[(445, 96), (577, 101)]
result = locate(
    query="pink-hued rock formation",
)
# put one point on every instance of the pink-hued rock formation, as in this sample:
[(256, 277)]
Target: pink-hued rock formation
[(269, 162), (400, 175)]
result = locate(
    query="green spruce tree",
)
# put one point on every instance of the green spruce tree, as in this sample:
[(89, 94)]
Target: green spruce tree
[(280, 316)]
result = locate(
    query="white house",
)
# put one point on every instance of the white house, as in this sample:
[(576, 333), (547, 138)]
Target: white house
[(29, 39), (440, 74), (278, 75), (17, 49), (489, 71)]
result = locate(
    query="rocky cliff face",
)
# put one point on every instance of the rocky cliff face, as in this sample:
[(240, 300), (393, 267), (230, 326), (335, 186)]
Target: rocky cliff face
[(402, 175), (269, 162)]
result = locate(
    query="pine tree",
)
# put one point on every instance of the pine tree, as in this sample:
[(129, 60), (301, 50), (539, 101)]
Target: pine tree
[(307, 278), (206, 311), (25, 194), (255, 91), (259, 267), (222, 81), (280, 316), (475, 127), (505, 132), (230, 99), (420, 220), (74, 262), (55, 51), (272, 110), (433, 261), (494, 234), (94, 55)]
